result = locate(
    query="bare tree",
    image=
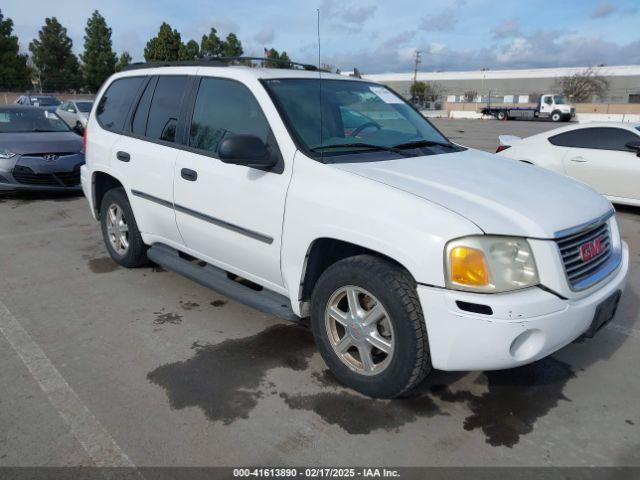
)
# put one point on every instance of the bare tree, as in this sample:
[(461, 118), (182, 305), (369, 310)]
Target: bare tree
[(583, 86), (470, 96), (433, 91)]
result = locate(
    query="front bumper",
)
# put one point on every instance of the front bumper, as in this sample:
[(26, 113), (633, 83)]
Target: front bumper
[(525, 326), (38, 174)]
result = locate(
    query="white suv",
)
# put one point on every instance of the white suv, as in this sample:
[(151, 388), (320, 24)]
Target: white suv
[(306, 194)]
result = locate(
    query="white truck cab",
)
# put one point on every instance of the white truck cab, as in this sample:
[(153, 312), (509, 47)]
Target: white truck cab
[(306, 194), (554, 106)]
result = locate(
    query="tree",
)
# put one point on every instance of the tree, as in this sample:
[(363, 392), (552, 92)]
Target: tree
[(165, 47), (123, 61), (417, 90), (470, 96), (583, 86), (276, 59), (210, 45), (433, 91), (232, 47), (54, 59), (190, 50), (99, 60), (14, 73)]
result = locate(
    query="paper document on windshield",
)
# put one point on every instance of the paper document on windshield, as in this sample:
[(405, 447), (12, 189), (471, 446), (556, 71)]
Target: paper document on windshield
[(385, 95)]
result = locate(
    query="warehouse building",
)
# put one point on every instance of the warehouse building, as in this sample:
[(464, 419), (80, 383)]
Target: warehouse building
[(514, 86)]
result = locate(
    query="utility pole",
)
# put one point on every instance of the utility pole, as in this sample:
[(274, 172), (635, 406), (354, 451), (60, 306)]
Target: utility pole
[(418, 60)]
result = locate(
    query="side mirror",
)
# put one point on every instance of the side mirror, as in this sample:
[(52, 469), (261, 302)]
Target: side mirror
[(246, 150), (634, 146), (78, 129)]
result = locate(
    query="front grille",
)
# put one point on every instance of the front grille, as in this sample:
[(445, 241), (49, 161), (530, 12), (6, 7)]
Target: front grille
[(54, 179), (584, 273), (41, 155)]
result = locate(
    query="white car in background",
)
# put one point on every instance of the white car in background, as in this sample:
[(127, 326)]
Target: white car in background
[(604, 155), (75, 112)]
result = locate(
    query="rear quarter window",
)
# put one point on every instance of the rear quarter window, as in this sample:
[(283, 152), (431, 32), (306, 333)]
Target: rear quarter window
[(601, 138), (116, 102)]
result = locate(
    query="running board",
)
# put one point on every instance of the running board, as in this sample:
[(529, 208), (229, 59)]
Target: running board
[(215, 278)]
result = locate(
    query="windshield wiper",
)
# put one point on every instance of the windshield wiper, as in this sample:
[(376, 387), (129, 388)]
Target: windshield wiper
[(423, 143), (370, 146)]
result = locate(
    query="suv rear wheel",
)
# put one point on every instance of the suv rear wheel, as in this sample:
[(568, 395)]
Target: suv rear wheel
[(120, 231), (368, 323)]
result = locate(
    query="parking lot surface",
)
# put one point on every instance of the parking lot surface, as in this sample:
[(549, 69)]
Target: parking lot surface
[(107, 366)]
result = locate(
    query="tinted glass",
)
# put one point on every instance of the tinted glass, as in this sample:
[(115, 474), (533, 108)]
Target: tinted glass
[(30, 120), (46, 101), (165, 108), (603, 138), (139, 124), (84, 107), (115, 103), (223, 108), (352, 112)]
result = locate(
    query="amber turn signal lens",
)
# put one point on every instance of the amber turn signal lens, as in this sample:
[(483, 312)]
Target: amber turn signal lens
[(468, 267)]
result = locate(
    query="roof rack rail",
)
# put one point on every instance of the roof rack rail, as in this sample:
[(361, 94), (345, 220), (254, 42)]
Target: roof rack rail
[(223, 62)]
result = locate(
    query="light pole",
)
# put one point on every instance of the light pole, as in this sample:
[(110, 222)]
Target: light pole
[(418, 60)]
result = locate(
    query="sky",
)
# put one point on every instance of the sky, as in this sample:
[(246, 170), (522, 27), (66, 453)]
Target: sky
[(375, 36)]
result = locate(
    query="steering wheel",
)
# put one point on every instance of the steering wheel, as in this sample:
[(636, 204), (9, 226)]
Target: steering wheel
[(359, 129)]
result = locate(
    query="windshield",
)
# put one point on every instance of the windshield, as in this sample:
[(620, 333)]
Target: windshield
[(45, 101), (84, 107), (30, 120), (558, 99), (356, 117)]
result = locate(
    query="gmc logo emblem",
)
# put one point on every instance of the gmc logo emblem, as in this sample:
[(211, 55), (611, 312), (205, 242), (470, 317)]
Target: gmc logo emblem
[(592, 248)]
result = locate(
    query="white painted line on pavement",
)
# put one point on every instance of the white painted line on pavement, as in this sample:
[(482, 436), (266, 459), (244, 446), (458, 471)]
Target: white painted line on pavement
[(93, 437)]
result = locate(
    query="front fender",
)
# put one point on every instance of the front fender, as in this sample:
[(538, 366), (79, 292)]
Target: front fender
[(326, 202)]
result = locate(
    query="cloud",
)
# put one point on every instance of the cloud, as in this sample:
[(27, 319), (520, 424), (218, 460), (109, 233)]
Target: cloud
[(439, 22), (345, 15), (264, 37), (505, 29), (603, 10)]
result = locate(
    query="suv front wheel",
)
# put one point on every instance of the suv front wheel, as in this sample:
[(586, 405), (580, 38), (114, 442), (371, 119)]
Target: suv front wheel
[(120, 231), (368, 323)]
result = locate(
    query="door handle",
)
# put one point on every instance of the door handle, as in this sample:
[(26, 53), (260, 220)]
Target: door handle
[(188, 174), (123, 156), (579, 159)]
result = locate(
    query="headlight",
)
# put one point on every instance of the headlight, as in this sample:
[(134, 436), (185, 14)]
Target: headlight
[(4, 153), (490, 264)]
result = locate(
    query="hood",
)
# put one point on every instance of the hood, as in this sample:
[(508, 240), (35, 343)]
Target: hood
[(41, 142), (500, 195)]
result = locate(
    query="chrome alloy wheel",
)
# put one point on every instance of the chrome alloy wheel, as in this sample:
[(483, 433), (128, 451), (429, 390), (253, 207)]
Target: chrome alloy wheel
[(359, 330), (117, 229)]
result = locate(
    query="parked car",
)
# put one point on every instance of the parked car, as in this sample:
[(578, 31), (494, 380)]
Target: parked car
[(38, 151), (603, 155), (75, 113), (47, 102), (406, 251)]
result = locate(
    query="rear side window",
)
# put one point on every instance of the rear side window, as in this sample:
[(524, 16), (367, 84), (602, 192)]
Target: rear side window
[(139, 123), (223, 108), (602, 138), (165, 108), (115, 103)]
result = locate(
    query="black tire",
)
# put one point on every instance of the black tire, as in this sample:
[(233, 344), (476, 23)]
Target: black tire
[(396, 290), (136, 253), (502, 115), (556, 116)]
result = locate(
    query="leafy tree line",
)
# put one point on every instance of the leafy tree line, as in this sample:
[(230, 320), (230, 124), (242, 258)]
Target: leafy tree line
[(52, 65)]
